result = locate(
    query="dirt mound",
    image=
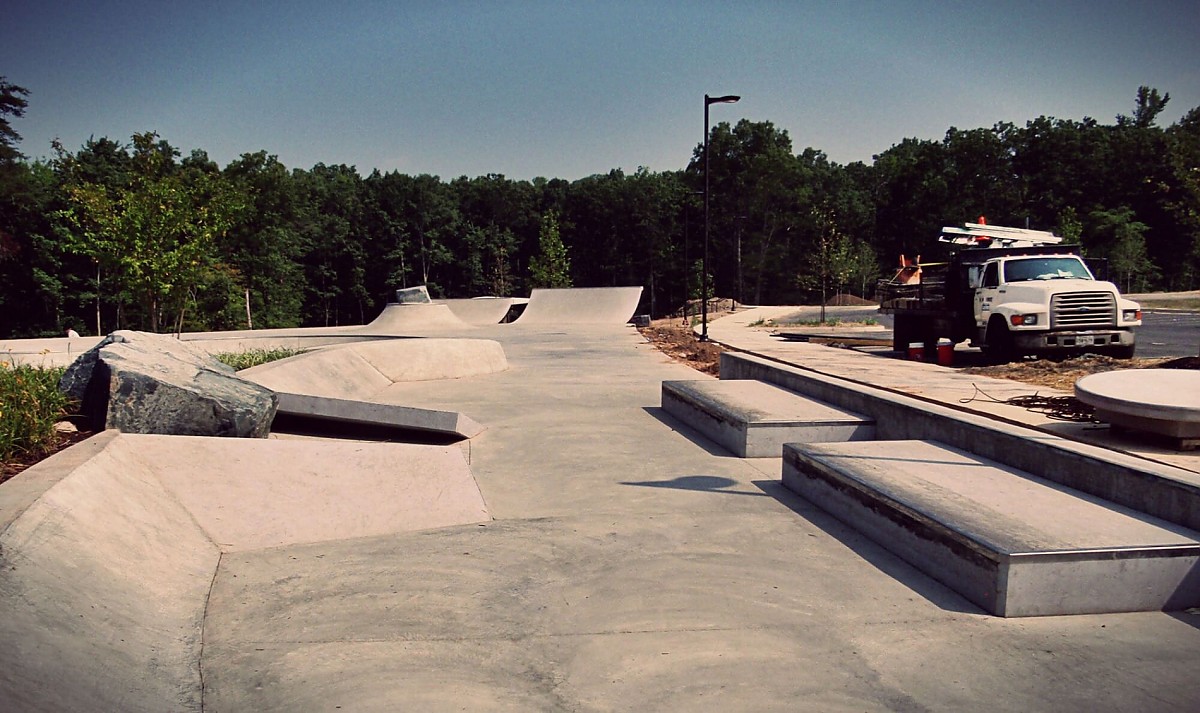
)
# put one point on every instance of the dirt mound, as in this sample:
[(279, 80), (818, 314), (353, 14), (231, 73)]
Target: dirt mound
[(843, 299)]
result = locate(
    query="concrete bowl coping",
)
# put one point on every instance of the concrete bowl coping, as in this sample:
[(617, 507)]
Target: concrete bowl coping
[(110, 549), (581, 305)]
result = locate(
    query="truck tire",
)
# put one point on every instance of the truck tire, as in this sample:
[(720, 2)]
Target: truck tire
[(904, 330), (1122, 352), (1000, 348)]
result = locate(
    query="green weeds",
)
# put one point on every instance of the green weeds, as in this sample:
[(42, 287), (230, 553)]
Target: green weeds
[(254, 357), (30, 405)]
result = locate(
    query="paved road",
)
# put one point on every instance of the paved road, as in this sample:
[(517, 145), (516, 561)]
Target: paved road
[(1164, 333), (1169, 333)]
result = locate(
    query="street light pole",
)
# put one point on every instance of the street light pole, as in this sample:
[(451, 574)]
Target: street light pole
[(728, 99)]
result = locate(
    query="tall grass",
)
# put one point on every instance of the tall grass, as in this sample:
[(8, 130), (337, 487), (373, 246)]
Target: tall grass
[(254, 357), (30, 405)]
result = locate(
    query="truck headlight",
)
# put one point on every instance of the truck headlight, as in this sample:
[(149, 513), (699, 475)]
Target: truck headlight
[(1023, 319), (1131, 315)]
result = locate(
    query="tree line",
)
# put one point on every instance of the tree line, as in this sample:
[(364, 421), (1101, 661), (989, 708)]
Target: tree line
[(137, 235)]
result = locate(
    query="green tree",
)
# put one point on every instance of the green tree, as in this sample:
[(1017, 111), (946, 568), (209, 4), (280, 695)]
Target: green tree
[(1120, 238), (552, 266), (12, 103), (157, 236)]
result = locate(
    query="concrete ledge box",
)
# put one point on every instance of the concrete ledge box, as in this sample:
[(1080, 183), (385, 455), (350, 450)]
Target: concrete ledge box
[(1011, 543), (753, 419)]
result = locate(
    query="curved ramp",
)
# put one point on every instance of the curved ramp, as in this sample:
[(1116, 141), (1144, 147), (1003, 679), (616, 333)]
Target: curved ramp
[(581, 305), (363, 369), (110, 549), (402, 318), (480, 311)]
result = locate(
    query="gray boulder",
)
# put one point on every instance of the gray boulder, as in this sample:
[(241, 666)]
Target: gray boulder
[(418, 295), (152, 383)]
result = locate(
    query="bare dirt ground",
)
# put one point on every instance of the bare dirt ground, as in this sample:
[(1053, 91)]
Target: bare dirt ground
[(675, 338)]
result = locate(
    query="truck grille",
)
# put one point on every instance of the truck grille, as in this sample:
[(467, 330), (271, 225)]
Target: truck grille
[(1083, 309)]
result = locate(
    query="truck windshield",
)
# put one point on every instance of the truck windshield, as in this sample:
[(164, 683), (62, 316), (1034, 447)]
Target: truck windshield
[(1045, 268)]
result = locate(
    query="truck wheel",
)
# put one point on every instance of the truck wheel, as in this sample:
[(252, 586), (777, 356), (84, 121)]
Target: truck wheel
[(1122, 352), (1000, 348), (903, 330)]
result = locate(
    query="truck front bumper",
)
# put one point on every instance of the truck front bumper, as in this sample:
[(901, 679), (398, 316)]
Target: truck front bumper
[(1085, 339)]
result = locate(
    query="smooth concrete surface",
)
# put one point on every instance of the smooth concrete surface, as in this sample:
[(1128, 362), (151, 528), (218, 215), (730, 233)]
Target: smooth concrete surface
[(753, 419), (400, 317), (1163, 491), (580, 305), (302, 409), (1012, 543), (1165, 401), (631, 565), (109, 561), (362, 370), (480, 310)]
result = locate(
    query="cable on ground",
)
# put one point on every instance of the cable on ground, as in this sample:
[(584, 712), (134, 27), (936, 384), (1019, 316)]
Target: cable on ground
[(1059, 408)]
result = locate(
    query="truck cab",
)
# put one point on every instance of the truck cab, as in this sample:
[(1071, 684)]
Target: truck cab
[(1048, 303)]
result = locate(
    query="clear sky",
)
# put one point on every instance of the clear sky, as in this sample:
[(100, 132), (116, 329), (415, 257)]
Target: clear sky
[(569, 89)]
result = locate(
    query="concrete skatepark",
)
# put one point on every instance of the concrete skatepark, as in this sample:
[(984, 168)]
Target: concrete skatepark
[(587, 550)]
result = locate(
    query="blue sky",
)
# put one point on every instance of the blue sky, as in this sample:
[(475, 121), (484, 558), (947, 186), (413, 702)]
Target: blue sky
[(566, 90)]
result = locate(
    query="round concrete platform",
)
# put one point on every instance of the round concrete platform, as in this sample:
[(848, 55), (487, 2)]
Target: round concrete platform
[(1165, 401)]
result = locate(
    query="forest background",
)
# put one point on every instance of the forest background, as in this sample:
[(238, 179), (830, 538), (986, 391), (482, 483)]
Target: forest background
[(137, 235)]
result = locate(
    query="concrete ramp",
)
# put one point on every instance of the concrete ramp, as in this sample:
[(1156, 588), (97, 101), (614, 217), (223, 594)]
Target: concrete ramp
[(339, 385), (110, 547), (413, 318), (362, 370), (480, 311), (581, 305)]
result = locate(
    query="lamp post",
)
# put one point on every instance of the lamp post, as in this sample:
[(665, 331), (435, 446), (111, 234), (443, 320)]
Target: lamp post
[(727, 99)]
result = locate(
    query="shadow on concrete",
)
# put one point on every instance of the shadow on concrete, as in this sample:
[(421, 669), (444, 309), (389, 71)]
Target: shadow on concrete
[(705, 483), (933, 591), (711, 448), (1189, 617)]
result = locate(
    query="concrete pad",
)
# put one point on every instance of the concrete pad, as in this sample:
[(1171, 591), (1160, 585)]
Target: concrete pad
[(581, 305), (1162, 401), (754, 419), (481, 310), (1014, 544)]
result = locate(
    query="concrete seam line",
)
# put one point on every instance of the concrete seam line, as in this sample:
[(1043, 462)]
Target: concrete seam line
[(212, 583)]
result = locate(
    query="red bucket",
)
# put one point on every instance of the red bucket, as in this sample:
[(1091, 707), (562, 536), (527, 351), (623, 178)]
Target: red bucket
[(945, 352)]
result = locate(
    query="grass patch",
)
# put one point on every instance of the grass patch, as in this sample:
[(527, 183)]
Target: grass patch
[(30, 405), (254, 357), (1186, 304)]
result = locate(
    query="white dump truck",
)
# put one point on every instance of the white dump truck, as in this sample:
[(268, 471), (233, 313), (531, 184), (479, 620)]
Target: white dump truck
[(1011, 292)]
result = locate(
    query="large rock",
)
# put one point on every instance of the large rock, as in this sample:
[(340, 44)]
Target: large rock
[(150, 383)]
